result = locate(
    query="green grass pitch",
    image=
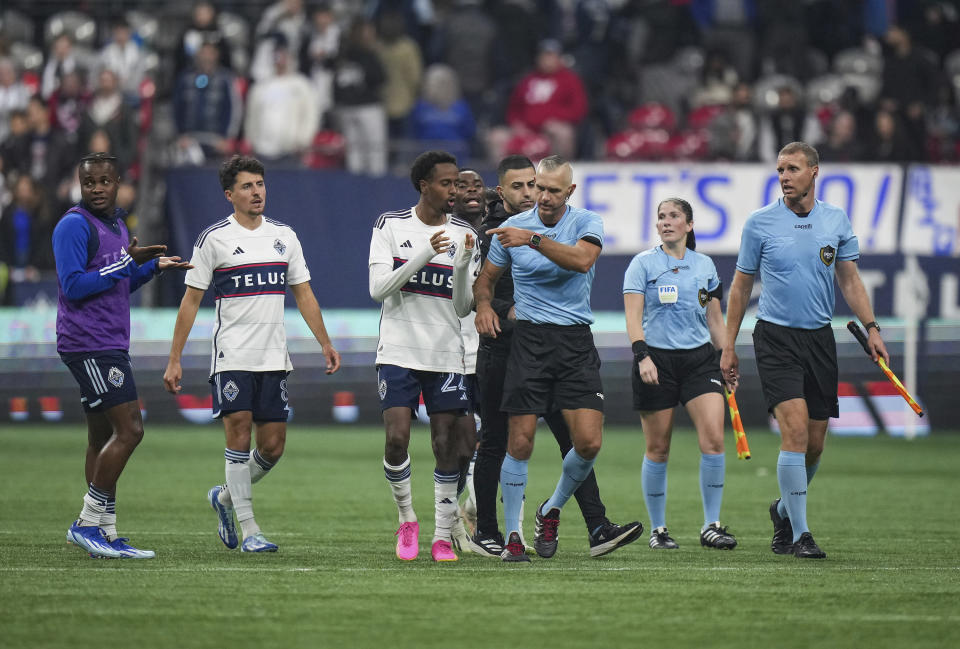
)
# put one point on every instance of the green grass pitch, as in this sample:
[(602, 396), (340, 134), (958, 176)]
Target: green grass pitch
[(884, 510)]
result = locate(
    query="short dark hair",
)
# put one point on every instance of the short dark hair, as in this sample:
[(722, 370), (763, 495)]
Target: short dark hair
[(511, 162), (423, 166), (687, 210), (99, 158), (232, 167), (813, 158)]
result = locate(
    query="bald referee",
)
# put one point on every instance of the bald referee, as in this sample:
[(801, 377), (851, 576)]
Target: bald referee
[(797, 245), (553, 365)]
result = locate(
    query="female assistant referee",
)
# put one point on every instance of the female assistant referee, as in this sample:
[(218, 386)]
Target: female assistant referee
[(671, 295)]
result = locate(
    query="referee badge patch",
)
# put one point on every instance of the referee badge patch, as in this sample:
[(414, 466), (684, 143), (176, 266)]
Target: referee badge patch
[(115, 376), (230, 390), (828, 254), (668, 294), (703, 296)]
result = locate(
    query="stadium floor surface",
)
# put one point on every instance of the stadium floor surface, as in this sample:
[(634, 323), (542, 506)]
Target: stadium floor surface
[(885, 511)]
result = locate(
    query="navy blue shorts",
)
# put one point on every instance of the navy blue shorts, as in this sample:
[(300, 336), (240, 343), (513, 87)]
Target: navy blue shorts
[(105, 378), (442, 391), (262, 393)]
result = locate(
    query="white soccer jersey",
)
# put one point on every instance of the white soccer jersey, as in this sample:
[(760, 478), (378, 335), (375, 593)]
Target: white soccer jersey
[(250, 271), (419, 327), (471, 342)]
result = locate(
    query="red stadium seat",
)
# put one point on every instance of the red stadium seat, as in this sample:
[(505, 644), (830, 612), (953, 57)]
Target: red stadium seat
[(688, 145), (532, 145), (652, 115), (702, 117), (327, 151)]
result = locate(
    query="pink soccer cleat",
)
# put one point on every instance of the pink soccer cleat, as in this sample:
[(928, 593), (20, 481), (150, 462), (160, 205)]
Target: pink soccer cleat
[(441, 551), (408, 542)]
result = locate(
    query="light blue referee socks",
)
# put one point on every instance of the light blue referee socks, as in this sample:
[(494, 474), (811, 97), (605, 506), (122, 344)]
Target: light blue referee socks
[(513, 482), (575, 471), (711, 486), (792, 478), (653, 478), (811, 471)]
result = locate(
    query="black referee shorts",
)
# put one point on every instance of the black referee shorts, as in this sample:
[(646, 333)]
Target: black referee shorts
[(552, 367), (798, 364), (682, 374)]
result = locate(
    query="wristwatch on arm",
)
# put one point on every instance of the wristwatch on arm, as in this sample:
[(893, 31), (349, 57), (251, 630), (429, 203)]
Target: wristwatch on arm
[(873, 324), (535, 240)]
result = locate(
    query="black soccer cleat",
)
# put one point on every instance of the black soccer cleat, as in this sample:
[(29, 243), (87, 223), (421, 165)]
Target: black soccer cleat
[(714, 536), (782, 542), (611, 536), (660, 540), (807, 548), (487, 545), (514, 549), (545, 531)]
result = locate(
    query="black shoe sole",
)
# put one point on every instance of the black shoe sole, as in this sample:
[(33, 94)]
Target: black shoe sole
[(619, 542)]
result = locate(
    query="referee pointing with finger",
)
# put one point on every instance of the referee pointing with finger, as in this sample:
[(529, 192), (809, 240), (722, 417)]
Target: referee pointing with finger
[(553, 365), (797, 245)]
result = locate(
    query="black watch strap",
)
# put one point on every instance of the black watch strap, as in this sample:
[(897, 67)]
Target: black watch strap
[(872, 324)]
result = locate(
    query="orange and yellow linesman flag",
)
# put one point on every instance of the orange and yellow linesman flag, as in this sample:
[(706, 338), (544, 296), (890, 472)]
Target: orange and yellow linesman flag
[(743, 449), (857, 332)]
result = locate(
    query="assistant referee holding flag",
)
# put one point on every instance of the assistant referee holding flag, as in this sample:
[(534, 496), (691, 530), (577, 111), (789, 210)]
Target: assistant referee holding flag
[(797, 244)]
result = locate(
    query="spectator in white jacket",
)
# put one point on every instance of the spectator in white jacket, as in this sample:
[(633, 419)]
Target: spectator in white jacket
[(282, 115)]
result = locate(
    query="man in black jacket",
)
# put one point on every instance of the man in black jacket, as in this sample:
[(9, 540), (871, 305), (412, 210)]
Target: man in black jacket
[(516, 176)]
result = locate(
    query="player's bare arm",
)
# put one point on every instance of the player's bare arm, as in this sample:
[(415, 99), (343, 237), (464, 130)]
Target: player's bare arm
[(186, 316), (855, 295), (310, 310), (633, 309), (737, 301), (718, 334), (487, 322)]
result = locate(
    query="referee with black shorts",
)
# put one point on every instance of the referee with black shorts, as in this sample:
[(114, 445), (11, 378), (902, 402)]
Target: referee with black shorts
[(797, 245), (553, 365), (671, 297)]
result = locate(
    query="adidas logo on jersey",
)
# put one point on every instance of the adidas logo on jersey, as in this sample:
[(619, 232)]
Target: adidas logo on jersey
[(406, 244), (238, 251)]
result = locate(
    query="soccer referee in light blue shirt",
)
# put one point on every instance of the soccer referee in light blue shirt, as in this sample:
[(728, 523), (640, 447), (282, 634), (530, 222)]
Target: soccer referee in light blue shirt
[(797, 245), (553, 363)]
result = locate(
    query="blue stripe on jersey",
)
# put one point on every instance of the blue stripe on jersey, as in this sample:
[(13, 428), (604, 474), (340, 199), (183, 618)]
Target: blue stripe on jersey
[(251, 279), (466, 224), (277, 223), (382, 219), (434, 280), (203, 235)]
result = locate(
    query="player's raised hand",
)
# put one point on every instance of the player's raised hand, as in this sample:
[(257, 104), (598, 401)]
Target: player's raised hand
[(333, 359), (172, 376), (439, 242), (143, 254), (487, 321), (176, 263)]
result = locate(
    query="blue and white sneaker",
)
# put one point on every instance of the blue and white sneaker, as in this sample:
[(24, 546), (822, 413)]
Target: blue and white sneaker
[(227, 528), (127, 551), (257, 543), (92, 540)]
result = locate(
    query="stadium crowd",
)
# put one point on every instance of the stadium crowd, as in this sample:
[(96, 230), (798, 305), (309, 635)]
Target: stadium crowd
[(367, 85)]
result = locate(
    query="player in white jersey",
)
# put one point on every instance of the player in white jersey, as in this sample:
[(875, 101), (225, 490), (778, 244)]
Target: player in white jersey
[(250, 259), (421, 349), (470, 205)]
